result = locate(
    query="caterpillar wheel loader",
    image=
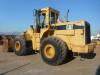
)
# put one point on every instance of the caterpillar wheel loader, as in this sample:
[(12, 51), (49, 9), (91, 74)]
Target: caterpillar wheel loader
[(53, 38)]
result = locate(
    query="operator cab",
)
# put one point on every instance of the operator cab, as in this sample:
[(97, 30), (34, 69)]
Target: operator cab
[(45, 17), (49, 15)]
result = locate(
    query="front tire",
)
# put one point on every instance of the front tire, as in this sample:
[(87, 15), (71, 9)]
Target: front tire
[(22, 47), (53, 51)]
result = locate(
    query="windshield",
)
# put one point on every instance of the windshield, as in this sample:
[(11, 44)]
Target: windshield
[(42, 20)]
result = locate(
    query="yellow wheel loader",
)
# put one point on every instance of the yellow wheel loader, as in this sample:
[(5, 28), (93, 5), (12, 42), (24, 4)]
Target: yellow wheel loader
[(53, 38)]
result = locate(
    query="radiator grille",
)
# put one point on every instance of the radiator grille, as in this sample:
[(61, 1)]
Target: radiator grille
[(87, 33)]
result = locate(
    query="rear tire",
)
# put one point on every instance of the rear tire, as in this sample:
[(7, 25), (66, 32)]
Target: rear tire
[(60, 50)]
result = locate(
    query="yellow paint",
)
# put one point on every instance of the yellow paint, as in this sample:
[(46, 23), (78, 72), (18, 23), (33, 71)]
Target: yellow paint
[(98, 42), (17, 46), (74, 38), (49, 51)]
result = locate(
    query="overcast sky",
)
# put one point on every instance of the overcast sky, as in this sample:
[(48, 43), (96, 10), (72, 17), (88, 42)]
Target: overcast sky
[(16, 15)]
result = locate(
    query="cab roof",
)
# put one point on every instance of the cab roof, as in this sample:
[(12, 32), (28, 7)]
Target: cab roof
[(49, 8)]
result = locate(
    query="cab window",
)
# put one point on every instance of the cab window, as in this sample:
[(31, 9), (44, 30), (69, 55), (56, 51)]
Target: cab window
[(42, 20), (53, 18)]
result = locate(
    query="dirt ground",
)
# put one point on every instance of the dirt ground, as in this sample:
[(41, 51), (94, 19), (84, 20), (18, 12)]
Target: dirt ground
[(10, 64)]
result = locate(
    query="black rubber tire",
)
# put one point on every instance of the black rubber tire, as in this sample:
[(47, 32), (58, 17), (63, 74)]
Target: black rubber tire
[(60, 49), (23, 50)]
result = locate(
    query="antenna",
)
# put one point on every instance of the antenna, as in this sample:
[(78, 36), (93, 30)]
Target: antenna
[(67, 15)]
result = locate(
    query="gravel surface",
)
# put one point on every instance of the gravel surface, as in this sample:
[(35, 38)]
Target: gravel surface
[(11, 64)]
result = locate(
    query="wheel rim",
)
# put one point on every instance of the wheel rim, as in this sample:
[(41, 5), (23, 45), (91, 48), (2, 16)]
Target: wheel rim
[(49, 51), (17, 46)]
